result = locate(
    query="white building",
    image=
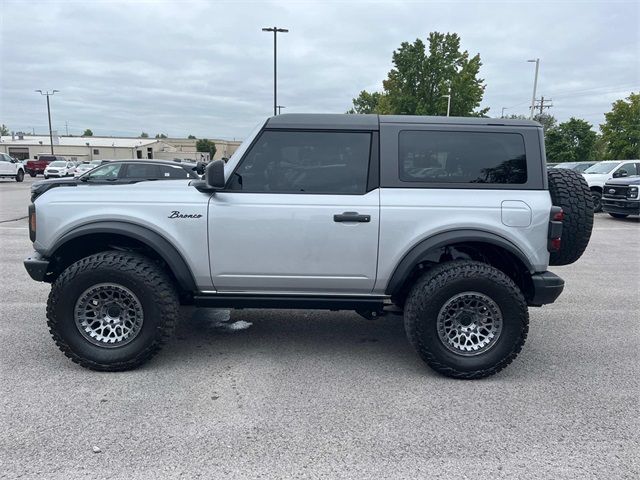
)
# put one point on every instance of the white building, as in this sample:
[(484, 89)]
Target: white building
[(22, 146)]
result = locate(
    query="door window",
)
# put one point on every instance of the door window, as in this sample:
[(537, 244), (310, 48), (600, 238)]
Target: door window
[(630, 168), (305, 162)]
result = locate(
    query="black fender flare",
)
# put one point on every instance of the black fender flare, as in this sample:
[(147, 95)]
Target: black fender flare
[(421, 250), (150, 238)]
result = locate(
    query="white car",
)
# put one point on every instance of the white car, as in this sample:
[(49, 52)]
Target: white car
[(598, 174), (83, 168), (10, 167), (59, 168)]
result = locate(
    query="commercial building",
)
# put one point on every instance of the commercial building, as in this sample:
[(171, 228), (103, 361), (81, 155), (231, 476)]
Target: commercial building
[(23, 146)]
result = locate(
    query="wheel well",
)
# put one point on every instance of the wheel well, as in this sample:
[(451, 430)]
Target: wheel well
[(85, 245), (493, 255), (597, 189)]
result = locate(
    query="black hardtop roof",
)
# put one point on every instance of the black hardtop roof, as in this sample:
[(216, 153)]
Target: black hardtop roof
[(337, 121)]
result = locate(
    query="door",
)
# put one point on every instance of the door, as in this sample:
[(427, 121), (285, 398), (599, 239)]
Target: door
[(299, 215)]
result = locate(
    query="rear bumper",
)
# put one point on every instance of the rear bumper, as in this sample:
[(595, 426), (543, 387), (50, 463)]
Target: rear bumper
[(547, 287), (621, 206), (36, 266)]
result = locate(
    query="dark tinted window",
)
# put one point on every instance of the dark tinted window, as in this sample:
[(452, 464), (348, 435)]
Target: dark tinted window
[(462, 157), (309, 162), (171, 171), (630, 168), (141, 170)]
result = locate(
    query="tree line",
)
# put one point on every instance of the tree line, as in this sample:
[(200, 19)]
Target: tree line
[(424, 75)]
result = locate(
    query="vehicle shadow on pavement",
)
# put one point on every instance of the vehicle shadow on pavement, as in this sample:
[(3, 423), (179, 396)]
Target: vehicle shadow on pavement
[(286, 333)]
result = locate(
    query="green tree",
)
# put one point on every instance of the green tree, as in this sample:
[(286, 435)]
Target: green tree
[(547, 120), (144, 135), (161, 135), (621, 130), (571, 141), (4, 130), (204, 145), (191, 137), (421, 76), (87, 133)]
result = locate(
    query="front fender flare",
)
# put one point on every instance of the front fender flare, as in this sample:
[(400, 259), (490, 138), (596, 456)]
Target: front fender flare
[(152, 239)]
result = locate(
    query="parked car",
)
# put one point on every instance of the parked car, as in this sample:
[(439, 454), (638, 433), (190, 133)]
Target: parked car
[(598, 174), (36, 167), (59, 168), (576, 166), (120, 171), (83, 168), (620, 197), (322, 212), (11, 168)]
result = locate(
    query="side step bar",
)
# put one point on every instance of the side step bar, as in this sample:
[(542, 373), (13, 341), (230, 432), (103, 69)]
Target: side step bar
[(315, 302)]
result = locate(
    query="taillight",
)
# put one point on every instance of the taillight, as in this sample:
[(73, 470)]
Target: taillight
[(555, 229), (32, 222)]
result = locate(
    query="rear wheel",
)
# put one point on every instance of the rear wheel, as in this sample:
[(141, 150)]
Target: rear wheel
[(19, 176), (112, 311), (32, 174), (618, 215), (569, 190), (466, 319)]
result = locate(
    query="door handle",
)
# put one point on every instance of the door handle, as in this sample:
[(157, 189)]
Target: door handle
[(351, 217)]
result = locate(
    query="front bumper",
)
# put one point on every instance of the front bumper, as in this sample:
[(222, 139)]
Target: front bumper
[(37, 266), (621, 206), (547, 287)]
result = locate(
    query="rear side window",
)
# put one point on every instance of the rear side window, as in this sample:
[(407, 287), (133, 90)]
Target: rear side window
[(305, 162), (141, 170), (462, 157)]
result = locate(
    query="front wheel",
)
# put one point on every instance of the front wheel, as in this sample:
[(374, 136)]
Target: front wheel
[(46, 177), (596, 196), (20, 176), (112, 311), (466, 319)]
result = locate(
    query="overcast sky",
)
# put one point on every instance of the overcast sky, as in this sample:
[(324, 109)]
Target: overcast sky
[(205, 68)]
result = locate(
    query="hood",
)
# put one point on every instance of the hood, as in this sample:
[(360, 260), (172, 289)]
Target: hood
[(39, 187), (633, 180)]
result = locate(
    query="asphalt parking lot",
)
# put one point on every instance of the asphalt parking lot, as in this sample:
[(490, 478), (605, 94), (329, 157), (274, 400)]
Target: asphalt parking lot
[(307, 394)]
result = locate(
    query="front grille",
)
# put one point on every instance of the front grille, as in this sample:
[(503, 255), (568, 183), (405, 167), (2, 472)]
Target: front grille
[(615, 191), (53, 171)]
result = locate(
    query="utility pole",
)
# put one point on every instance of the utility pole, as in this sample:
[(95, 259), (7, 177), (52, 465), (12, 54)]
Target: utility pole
[(543, 103), (47, 94), (535, 86), (503, 109), (275, 31), (448, 101), (66, 126), (280, 107)]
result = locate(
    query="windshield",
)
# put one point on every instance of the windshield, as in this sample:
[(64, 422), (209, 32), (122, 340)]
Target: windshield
[(237, 155), (58, 163), (602, 167)]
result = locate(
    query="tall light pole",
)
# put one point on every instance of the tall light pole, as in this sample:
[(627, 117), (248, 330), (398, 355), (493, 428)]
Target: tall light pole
[(448, 101), (535, 86), (48, 94), (275, 31)]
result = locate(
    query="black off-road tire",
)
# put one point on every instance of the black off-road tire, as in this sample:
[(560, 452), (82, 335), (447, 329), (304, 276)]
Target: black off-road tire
[(32, 174), (19, 176), (619, 215), (570, 191), (596, 198), (151, 285), (433, 289)]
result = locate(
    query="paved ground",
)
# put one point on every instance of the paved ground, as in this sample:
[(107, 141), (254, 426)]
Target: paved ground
[(329, 395)]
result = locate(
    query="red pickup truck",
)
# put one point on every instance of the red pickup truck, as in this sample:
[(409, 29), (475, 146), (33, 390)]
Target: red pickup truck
[(34, 167)]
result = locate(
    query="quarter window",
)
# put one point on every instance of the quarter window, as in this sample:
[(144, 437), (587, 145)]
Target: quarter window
[(305, 162), (462, 157)]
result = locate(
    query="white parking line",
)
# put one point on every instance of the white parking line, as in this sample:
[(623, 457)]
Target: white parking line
[(14, 228)]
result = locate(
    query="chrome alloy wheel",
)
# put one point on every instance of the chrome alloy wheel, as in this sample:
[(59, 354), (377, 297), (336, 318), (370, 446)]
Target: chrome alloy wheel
[(469, 323), (108, 315)]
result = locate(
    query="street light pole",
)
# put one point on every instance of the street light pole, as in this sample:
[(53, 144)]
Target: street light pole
[(48, 94), (535, 86), (448, 101), (275, 31)]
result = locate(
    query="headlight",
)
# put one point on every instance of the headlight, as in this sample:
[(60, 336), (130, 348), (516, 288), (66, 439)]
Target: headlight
[(632, 192)]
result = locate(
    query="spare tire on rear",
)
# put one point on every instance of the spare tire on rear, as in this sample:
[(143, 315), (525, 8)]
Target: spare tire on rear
[(570, 191)]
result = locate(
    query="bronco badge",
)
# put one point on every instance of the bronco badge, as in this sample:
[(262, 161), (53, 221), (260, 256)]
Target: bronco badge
[(177, 214)]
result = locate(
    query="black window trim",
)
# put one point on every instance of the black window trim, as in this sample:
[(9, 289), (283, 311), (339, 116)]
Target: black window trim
[(373, 168)]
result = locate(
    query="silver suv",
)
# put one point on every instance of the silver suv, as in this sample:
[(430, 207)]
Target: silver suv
[(450, 221)]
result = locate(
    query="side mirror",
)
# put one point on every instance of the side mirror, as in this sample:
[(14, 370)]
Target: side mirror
[(214, 175), (621, 173)]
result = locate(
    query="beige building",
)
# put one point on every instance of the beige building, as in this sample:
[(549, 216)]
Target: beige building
[(23, 146)]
